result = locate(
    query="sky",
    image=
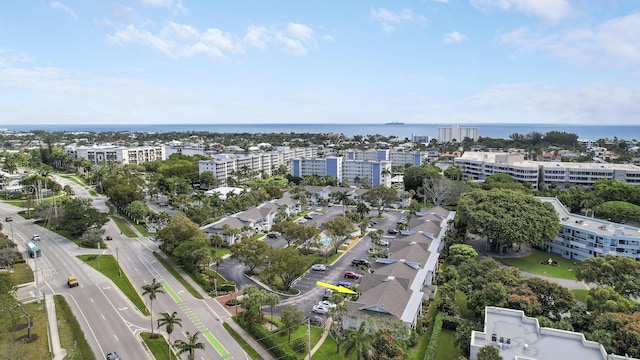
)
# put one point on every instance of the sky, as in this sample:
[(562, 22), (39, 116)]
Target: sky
[(225, 62)]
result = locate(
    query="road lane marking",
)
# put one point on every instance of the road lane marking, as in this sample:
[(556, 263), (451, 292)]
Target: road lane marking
[(172, 293), (216, 344)]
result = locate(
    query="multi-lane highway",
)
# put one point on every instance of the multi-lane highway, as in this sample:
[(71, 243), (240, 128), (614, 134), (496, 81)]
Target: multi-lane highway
[(109, 320)]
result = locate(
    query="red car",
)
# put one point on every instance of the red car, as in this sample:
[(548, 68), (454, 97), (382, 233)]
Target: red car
[(351, 275)]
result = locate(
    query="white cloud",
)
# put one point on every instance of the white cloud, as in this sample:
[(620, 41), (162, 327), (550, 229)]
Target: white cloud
[(164, 3), (257, 36), (300, 31), (454, 38), (615, 42), (540, 103), (121, 10), (391, 20), (64, 8), (553, 10), (181, 40)]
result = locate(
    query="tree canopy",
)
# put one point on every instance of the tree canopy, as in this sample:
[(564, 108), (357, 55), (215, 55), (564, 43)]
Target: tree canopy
[(622, 273), (506, 217)]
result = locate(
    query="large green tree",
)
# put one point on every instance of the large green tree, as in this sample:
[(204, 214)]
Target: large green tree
[(338, 229), (414, 176), (80, 216), (361, 343), (249, 251), (506, 217), (291, 318), (622, 273), (180, 229), (380, 196), (287, 264)]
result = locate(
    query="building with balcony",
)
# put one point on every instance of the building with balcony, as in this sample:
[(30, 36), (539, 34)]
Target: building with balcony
[(356, 172), (480, 165), (583, 237), (118, 154), (397, 158), (456, 133), (245, 167)]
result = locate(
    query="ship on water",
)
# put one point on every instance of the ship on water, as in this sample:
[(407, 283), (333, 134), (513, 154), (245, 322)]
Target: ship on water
[(394, 123)]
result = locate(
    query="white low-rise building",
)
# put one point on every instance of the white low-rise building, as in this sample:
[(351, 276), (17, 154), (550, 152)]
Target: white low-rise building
[(118, 154)]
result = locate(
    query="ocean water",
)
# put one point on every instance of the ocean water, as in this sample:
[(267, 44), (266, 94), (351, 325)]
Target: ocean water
[(501, 131)]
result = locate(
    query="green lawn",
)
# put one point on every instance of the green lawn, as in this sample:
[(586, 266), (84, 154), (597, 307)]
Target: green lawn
[(580, 295), (301, 332), (158, 347), (446, 349), (71, 336), (22, 274), (461, 301), (532, 264), (108, 266), (253, 354), (123, 225)]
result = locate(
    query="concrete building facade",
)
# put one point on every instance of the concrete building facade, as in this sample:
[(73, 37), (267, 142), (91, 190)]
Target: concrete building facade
[(583, 237), (456, 133), (118, 154), (480, 165)]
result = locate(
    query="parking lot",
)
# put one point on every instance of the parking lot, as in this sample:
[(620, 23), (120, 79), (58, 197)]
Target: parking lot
[(311, 293)]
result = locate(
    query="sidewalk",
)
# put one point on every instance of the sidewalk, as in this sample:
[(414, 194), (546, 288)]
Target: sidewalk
[(227, 315), (325, 333)]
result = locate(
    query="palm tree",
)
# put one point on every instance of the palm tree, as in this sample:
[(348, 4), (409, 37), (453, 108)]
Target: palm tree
[(152, 290), (169, 321), (342, 197), (359, 342), (190, 346), (272, 300)]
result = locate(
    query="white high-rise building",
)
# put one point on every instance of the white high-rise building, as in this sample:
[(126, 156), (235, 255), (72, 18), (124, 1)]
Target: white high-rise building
[(456, 133)]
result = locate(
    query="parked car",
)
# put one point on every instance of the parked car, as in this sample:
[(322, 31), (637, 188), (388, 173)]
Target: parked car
[(320, 309), (343, 283), (327, 294), (307, 216), (327, 304), (351, 275), (318, 209), (108, 238), (8, 219), (384, 243), (392, 231), (360, 262), (315, 320), (318, 267), (273, 235)]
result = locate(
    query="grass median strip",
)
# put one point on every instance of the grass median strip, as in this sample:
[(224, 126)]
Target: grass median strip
[(253, 354), (158, 347), (176, 275), (108, 266)]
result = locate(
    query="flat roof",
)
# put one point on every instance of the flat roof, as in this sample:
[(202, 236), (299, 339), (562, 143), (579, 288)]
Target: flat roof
[(529, 341), (490, 157), (597, 226)]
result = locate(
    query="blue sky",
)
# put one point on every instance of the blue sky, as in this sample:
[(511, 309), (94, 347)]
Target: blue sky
[(429, 61)]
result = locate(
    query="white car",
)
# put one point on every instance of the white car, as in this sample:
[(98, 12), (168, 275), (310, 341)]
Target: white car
[(318, 267), (384, 243), (327, 304), (320, 309)]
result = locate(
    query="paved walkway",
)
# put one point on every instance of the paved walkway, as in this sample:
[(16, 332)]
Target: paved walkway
[(325, 333)]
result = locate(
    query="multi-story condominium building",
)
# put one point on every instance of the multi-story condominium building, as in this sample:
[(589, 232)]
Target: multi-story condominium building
[(457, 133), (224, 166), (397, 158), (119, 154), (480, 165), (357, 172), (582, 237), (517, 336)]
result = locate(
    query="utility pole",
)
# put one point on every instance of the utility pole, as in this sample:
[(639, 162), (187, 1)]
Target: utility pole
[(309, 336)]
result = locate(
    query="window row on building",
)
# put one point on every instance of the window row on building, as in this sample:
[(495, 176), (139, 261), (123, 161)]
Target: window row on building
[(118, 154), (251, 166), (480, 165), (397, 158), (356, 172)]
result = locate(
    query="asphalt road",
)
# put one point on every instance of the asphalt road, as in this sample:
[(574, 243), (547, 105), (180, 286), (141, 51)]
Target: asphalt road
[(311, 293), (108, 319)]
